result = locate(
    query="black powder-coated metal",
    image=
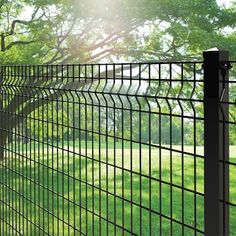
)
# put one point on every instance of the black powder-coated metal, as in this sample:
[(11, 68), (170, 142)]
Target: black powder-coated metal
[(116, 149), (216, 138)]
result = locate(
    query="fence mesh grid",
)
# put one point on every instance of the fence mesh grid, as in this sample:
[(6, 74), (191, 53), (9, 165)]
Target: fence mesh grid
[(104, 149)]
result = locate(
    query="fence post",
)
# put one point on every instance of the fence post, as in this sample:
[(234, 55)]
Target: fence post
[(216, 144)]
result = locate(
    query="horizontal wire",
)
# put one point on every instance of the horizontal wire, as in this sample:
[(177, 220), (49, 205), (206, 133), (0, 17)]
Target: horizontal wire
[(108, 164)]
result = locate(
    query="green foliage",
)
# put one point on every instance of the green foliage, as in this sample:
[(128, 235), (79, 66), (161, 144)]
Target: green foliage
[(46, 122), (85, 31)]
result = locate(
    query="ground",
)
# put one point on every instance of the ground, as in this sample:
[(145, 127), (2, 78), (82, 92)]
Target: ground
[(49, 190)]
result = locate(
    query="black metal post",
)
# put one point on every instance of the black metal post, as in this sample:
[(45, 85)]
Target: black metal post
[(216, 142)]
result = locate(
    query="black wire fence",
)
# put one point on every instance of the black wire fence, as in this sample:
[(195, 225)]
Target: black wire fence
[(110, 149)]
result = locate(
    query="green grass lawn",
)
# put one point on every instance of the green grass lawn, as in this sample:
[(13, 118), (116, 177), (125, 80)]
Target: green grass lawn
[(56, 191)]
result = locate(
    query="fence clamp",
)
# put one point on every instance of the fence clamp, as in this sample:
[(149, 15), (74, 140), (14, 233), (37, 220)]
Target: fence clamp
[(224, 66)]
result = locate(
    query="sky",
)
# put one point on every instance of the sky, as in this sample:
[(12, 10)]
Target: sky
[(224, 2), (26, 16)]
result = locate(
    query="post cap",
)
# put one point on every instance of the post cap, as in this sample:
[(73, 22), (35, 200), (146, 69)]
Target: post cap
[(221, 53), (212, 49)]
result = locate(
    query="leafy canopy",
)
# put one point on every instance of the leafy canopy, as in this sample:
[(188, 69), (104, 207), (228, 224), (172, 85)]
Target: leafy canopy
[(67, 31)]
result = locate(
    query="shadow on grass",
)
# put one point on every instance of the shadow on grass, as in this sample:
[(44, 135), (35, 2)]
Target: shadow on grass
[(74, 194)]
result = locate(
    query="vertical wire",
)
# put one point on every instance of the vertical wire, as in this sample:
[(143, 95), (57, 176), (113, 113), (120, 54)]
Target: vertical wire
[(80, 162), (182, 146), (57, 155), (13, 162), (1, 166), (5, 214), (6, 202), (14, 159), (10, 156), (23, 162), (5, 156), (131, 148), (122, 148), (31, 156), (140, 149), (114, 148), (23, 134), (150, 154), (20, 151), (41, 161), (2, 206), (34, 151), (52, 154), (27, 123), (42, 91), (107, 150), (42, 164), (21, 165), (86, 154), (131, 152), (2, 162), (123, 159), (92, 120), (68, 147), (99, 149), (7, 166), (2, 190), (10, 153), (171, 153), (4, 181), (47, 153), (17, 161), (194, 150), (74, 155), (63, 155), (17, 167), (10, 166), (160, 157), (39, 153)]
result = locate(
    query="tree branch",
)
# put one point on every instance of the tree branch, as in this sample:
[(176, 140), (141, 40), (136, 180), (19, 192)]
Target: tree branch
[(19, 43)]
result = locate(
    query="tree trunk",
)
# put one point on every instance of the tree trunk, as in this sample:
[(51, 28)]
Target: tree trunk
[(3, 136), (5, 133), (3, 140)]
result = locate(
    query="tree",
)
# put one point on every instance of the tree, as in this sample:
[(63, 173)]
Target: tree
[(65, 31), (62, 31), (85, 31)]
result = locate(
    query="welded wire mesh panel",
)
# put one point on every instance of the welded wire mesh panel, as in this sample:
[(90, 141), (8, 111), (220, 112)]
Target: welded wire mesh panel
[(228, 162), (108, 149)]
